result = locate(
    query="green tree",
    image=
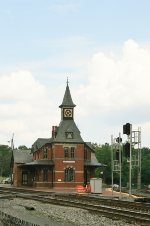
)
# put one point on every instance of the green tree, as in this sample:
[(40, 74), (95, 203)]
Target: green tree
[(103, 154), (5, 158), (22, 147), (145, 166)]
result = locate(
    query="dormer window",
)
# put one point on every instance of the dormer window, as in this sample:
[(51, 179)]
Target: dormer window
[(69, 135)]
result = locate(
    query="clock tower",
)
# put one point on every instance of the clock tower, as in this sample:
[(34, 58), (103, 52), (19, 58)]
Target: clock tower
[(67, 131), (67, 106)]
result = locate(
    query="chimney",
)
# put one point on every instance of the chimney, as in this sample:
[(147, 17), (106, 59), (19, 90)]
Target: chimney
[(54, 131)]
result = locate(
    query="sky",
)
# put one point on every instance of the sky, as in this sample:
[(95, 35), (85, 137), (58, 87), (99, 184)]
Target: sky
[(102, 46)]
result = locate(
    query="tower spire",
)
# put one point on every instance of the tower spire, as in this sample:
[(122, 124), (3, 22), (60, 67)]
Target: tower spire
[(67, 100), (67, 81)]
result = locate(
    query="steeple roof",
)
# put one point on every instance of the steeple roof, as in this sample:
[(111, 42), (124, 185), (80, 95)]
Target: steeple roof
[(67, 100), (68, 126)]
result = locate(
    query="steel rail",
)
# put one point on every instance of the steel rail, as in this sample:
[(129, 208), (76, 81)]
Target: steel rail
[(108, 202), (110, 212), (111, 208)]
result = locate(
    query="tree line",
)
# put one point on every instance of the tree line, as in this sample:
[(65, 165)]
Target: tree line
[(103, 154)]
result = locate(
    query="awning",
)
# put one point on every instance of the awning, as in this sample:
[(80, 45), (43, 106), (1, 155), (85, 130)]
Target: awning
[(44, 162), (93, 164)]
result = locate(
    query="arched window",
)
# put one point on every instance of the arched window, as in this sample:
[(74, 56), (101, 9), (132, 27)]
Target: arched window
[(69, 174)]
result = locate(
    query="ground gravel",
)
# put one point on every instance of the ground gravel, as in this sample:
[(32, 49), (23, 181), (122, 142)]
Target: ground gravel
[(58, 215)]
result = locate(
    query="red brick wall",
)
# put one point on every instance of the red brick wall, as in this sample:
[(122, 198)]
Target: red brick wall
[(60, 164), (56, 176), (39, 154), (17, 175)]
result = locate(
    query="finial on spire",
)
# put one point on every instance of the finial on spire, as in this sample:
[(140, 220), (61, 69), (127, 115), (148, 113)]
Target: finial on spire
[(67, 81)]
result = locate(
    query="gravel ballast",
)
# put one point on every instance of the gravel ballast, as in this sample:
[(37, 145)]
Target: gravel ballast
[(54, 215)]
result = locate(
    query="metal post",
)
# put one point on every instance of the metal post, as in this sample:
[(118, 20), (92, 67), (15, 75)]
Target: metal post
[(112, 166), (130, 166), (120, 160), (139, 160)]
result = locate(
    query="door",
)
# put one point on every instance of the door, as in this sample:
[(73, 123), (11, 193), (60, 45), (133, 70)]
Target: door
[(24, 178)]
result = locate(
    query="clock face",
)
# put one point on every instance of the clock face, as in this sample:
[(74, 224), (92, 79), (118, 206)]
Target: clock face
[(68, 113)]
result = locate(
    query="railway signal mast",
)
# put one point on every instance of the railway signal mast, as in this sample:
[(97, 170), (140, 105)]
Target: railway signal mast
[(127, 129), (116, 158), (133, 138)]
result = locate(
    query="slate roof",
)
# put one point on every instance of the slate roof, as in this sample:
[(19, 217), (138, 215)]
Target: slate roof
[(93, 161), (67, 100), (89, 144), (22, 156), (40, 142), (68, 126)]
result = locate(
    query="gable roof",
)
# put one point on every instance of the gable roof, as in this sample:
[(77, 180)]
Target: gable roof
[(22, 156), (40, 142)]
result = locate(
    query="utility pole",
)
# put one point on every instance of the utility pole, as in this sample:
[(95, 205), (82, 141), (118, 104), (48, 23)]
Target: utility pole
[(12, 142)]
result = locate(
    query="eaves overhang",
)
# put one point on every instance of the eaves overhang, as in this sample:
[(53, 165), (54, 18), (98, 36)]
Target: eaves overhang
[(39, 163), (94, 164)]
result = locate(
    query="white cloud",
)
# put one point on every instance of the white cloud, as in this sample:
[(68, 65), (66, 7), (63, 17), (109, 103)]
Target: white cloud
[(117, 84), (20, 85), (117, 90), (25, 108)]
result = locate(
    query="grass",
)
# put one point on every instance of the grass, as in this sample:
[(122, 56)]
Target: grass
[(2, 178)]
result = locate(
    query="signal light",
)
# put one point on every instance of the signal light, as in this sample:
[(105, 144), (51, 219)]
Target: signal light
[(118, 139), (117, 154), (127, 128), (126, 149)]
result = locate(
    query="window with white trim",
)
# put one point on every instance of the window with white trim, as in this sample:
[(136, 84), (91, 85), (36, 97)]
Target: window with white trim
[(69, 174), (69, 153)]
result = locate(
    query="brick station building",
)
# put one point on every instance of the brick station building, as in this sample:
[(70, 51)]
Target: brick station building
[(62, 161)]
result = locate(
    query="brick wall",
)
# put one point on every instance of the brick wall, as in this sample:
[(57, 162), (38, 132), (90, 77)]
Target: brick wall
[(56, 175), (61, 164), (17, 175)]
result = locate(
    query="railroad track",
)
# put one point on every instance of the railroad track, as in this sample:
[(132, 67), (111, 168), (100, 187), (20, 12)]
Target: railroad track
[(109, 211), (116, 209), (107, 202)]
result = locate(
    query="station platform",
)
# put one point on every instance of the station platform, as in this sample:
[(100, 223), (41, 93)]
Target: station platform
[(106, 192)]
